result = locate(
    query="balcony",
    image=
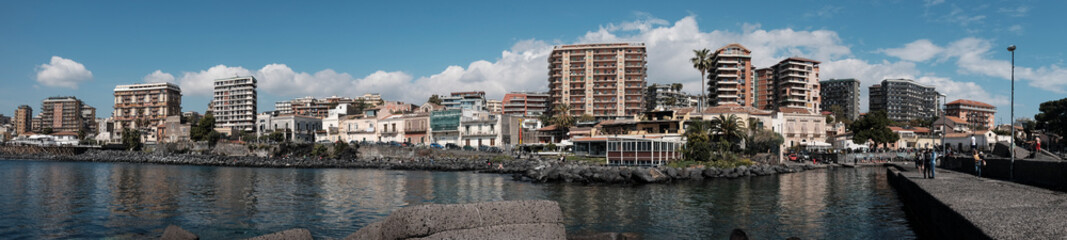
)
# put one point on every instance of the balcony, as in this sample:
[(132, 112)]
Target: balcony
[(481, 133)]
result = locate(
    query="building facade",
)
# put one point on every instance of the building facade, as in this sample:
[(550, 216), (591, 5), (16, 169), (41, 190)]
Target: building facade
[(295, 128), (602, 80), (844, 93), (665, 96), (903, 99), (525, 104), (792, 83), (66, 114), (417, 128), (465, 100), (494, 106), (444, 126), (23, 119), (234, 104), (357, 128), (145, 106), (978, 115), (730, 79)]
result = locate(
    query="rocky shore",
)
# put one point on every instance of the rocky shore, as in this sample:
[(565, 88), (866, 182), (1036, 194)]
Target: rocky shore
[(533, 169)]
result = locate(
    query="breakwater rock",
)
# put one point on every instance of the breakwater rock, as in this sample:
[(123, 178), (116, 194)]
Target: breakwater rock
[(626, 174), (413, 163)]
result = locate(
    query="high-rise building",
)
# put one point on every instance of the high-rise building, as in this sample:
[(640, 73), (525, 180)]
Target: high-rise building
[(23, 118), (66, 114), (494, 106), (665, 96), (903, 99), (978, 115), (234, 105), (143, 106), (525, 104), (844, 93), (730, 79), (465, 100), (603, 80), (792, 83)]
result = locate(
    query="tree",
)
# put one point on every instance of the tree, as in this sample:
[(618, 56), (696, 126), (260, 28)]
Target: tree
[(873, 127), (319, 150), (202, 129), (131, 138), (728, 128), (435, 99), (46, 131), (697, 141), (341, 150), (81, 134), (702, 62), (1053, 117), (763, 141), (676, 87), (561, 116)]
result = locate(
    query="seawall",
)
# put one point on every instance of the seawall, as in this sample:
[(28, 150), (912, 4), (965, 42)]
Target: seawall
[(1042, 172), (961, 206)]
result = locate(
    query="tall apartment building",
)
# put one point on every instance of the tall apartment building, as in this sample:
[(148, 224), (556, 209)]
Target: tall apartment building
[(494, 106), (792, 83), (604, 80), (903, 99), (141, 106), (730, 80), (665, 96), (977, 114), (283, 108), (23, 119), (66, 114), (234, 105), (465, 100), (844, 93), (525, 104)]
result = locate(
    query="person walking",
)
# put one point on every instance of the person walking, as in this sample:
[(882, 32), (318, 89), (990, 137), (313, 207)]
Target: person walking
[(978, 163), (923, 162), (933, 164), (974, 143)]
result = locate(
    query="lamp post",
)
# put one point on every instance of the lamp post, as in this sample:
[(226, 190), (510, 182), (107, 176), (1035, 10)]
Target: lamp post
[(944, 131), (1011, 122)]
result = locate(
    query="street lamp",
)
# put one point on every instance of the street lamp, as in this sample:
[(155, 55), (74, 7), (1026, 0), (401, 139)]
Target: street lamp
[(1011, 122), (944, 131)]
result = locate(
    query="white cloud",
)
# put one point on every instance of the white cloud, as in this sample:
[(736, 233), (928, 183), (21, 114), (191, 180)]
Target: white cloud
[(929, 3), (1019, 11), (961, 17), (1017, 29), (62, 72), (917, 51), (873, 73), (158, 76)]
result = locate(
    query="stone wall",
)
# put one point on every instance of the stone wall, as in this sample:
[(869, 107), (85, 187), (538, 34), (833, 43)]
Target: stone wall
[(532, 219), (1047, 173), (930, 217)]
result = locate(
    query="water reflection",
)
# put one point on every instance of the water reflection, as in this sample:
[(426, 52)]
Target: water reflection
[(136, 201)]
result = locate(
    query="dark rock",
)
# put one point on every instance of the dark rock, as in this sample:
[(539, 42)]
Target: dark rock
[(694, 173), (173, 232), (649, 175), (711, 172)]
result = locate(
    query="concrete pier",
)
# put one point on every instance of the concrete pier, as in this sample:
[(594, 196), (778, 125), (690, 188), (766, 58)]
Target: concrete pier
[(961, 206)]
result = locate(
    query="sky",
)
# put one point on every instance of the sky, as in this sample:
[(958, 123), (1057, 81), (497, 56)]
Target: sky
[(408, 50)]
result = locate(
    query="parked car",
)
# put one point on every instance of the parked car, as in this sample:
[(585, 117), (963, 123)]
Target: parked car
[(468, 148), (452, 146), (437, 146), (495, 149)]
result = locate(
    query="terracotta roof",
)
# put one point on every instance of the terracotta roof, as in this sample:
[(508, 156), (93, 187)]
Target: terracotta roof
[(970, 103), (734, 108), (683, 111), (920, 129), (955, 119), (590, 139), (794, 110), (548, 128)]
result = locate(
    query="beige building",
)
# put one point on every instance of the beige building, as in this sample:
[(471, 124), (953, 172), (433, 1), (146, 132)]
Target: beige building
[(800, 127), (978, 115), (66, 114), (144, 106), (604, 80), (494, 106), (792, 83), (234, 105), (23, 119), (731, 79)]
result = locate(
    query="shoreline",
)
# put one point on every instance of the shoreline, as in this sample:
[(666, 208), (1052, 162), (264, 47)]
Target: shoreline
[(533, 170)]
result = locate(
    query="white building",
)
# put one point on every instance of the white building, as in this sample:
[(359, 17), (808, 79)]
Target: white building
[(357, 128), (300, 129), (234, 104)]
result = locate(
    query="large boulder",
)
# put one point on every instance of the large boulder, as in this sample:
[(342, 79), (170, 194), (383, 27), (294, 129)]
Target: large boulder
[(536, 219), (649, 175), (291, 234), (173, 232)]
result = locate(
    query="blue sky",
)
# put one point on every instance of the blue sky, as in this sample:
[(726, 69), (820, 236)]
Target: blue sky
[(407, 50)]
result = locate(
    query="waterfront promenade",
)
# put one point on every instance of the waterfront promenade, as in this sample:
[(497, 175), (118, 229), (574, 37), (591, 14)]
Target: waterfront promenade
[(961, 206)]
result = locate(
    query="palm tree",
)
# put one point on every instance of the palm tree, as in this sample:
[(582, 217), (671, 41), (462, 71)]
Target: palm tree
[(562, 116), (728, 127), (702, 62)]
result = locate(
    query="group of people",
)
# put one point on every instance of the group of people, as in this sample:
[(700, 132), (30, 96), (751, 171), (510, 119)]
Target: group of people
[(926, 162)]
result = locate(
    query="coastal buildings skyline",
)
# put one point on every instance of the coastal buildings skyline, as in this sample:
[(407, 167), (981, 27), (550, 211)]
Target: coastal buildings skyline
[(287, 63)]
